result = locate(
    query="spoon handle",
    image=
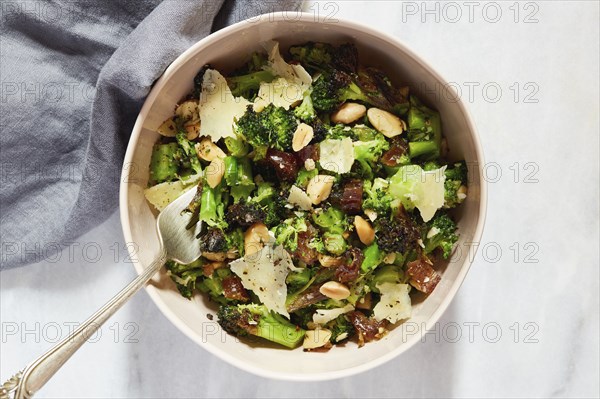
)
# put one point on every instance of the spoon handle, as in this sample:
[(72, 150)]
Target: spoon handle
[(25, 383)]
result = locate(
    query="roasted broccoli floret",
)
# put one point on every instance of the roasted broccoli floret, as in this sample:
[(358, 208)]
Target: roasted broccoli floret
[(272, 127), (332, 89), (370, 86), (376, 197), (257, 320), (306, 111), (247, 85), (213, 284), (324, 56), (331, 220), (396, 234), (424, 131), (455, 186), (368, 152), (441, 234), (286, 233)]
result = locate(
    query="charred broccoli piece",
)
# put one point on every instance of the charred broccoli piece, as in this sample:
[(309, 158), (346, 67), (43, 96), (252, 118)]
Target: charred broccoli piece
[(257, 320), (396, 234), (272, 127), (324, 56), (244, 214), (441, 234)]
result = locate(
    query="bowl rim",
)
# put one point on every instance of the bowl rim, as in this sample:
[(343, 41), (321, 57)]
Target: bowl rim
[(153, 292)]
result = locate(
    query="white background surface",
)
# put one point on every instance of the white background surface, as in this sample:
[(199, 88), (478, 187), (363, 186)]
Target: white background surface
[(527, 320)]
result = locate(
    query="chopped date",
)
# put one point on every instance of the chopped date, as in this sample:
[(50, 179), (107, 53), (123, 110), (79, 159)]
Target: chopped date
[(366, 328), (304, 252), (351, 198), (349, 270), (285, 164), (233, 289), (311, 151), (423, 277)]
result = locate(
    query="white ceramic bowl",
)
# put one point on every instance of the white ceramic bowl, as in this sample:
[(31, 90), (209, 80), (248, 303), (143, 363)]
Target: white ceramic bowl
[(225, 50)]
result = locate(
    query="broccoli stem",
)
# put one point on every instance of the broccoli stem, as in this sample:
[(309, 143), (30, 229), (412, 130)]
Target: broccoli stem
[(426, 149), (373, 257), (277, 329), (164, 162)]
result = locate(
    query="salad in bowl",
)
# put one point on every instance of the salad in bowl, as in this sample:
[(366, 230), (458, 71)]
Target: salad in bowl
[(323, 192)]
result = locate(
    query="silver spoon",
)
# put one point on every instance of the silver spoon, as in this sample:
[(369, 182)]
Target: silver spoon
[(176, 243)]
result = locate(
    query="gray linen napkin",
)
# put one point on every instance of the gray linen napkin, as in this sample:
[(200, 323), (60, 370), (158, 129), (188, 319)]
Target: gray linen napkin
[(73, 76)]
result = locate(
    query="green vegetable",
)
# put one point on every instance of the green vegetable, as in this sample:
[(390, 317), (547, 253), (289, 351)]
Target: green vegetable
[(272, 127), (286, 233), (334, 243), (425, 131), (247, 85), (257, 320), (373, 257), (441, 230), (341, 329), (190, 152), (164, 163), (238, 176), (212, 206), (185, 276), (237, 147), (306, 111), (386, 274), (367, 154), (213, 285), (456, 176), (332, 220), (376, 197), (297, 280), (304, 177)]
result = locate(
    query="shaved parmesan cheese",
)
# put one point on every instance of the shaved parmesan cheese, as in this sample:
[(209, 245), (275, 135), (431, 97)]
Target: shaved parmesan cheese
[(163, 194), (290, 86), (278, 67), (395, 302), (430, 193), (323, 316), (280, 92), (264, 273), (219, 109), (337, 155), (418, 188), (299, 198)]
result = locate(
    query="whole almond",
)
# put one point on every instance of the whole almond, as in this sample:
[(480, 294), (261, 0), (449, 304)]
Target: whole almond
[(385, 122), (348, 113)]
